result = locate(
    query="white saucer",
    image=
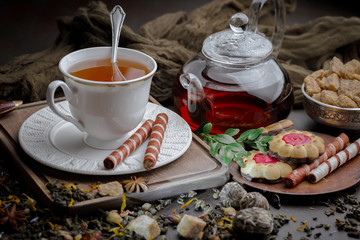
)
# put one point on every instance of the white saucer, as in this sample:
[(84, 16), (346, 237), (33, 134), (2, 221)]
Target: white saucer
[(56, 143)]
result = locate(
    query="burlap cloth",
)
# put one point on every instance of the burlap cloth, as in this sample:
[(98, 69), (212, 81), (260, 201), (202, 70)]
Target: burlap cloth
[(174, 38)]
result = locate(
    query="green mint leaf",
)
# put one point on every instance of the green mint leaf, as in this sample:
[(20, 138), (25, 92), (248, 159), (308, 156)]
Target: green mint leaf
[(232, 132), (262, 148), (230, 149), (254, 133), (239, 160), (236, 147), (223, 138), (225, 155), (200, 129), (230, 156), (243, 136), (207, 128), (265, 139), (214, 148), (208, 141), (252, 144), (222, 154)]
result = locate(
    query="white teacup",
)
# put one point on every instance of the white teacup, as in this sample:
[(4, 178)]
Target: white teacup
[(105, 111)]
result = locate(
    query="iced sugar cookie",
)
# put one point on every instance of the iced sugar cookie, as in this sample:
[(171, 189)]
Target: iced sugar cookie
[(264, 168), (296, 146)]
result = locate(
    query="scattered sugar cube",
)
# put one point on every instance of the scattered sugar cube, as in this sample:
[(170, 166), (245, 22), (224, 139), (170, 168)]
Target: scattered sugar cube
[(191, 227), (111, 189), (145, 226)]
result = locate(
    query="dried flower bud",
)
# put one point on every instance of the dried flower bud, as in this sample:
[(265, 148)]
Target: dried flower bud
[(254, 199), (114, 217), (146, 206), (174, 218), (229, 211), (78, 237), (231, 194), (84, 225)]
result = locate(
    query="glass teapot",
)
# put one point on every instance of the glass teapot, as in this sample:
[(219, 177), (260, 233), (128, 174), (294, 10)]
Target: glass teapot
[(235, 82)]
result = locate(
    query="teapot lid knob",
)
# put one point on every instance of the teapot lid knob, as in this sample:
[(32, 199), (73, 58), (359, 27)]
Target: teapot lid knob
[(239, 23)]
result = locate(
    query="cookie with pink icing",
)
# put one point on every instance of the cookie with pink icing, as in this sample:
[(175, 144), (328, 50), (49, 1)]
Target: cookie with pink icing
[(296, 146), (264, 168)]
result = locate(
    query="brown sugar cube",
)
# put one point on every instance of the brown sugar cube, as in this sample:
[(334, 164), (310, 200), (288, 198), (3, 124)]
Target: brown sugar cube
[(311, 86), (336, 66), (356, 77), (316, 96), (356, 99), (350, 88), (329, 97), (145, 226), (351, 68), (346, 102), (191, 227), (332, 82), (322, 83), (319, 73)]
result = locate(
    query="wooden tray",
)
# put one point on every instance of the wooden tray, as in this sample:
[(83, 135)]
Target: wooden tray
[(344, 177), (194, 170)]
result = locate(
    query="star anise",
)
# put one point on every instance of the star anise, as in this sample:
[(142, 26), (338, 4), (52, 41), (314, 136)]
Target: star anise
[(135, 184), (12, 216)]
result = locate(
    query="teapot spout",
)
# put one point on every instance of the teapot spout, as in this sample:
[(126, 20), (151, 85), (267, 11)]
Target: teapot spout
[(199, 108)]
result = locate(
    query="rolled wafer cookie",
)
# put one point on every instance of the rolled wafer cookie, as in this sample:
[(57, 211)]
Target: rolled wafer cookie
[(155, 141), (129, 146), (335, 162)]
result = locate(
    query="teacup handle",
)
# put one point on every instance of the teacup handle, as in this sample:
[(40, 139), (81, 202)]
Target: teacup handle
[(50, 93)]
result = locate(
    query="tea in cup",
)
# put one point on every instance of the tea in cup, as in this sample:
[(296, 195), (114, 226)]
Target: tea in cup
[(105, 110)]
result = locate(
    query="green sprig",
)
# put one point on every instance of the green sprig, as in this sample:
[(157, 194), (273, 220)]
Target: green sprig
[(229, 148)]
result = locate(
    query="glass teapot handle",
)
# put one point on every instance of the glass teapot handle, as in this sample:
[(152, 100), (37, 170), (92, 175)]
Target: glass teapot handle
[(279, 27)]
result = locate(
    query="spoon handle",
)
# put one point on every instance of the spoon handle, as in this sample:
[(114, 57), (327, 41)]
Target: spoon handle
[(6, 107), (117, 16)]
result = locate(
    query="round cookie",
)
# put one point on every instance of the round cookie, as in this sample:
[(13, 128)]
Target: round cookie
[(264, 168), (296, 146)]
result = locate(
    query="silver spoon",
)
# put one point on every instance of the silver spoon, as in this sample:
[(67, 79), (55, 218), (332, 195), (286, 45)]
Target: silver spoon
[(117, 16)]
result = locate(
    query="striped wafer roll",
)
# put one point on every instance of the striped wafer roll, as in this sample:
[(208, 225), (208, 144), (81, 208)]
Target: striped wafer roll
[(334, 162), (300, 173), (155, 141), (129, 145)]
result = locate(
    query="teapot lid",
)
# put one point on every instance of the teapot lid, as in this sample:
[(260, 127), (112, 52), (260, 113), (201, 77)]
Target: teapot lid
[(237, 46)]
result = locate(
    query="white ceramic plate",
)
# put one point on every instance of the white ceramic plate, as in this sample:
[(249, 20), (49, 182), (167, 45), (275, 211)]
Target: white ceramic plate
[(50, 140)]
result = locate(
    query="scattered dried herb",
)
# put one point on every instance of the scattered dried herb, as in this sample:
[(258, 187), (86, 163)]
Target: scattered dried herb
[(329, 212), (317, 235), (38, 222), (67, 194), (229, 148)]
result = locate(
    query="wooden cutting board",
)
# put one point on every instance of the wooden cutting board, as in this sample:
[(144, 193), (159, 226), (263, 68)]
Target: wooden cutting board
[(194, 170)]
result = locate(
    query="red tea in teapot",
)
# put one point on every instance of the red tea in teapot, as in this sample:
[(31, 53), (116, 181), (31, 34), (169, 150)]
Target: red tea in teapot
[(102, 70), (233, 107)]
